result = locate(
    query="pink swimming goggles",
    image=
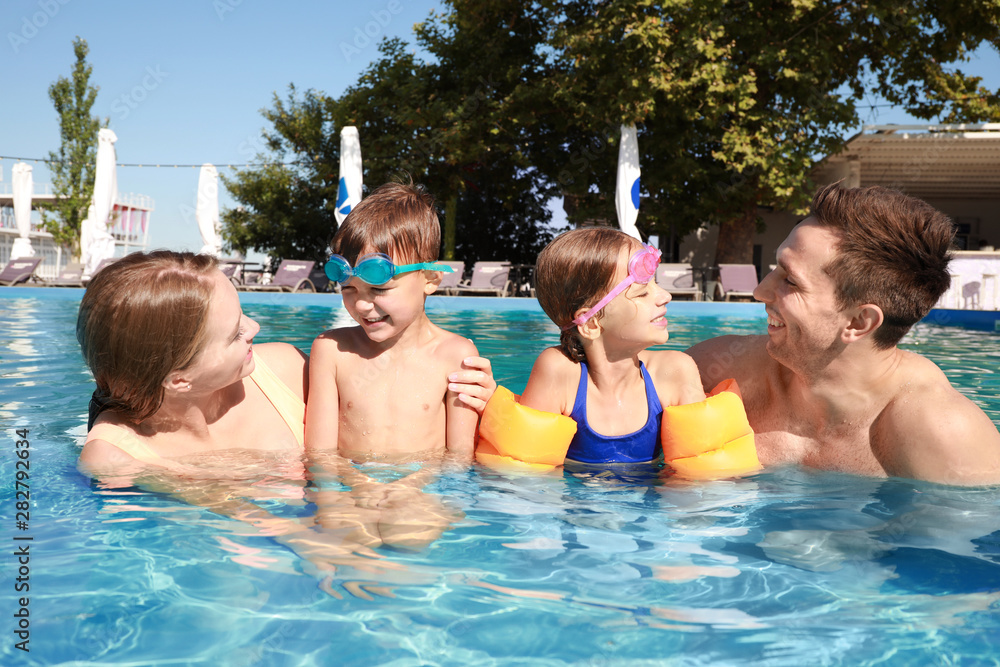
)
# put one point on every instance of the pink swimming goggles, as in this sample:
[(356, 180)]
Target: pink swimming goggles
[(641, 269)]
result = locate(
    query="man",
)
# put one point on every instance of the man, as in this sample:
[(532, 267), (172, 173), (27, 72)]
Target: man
[(827, 387)]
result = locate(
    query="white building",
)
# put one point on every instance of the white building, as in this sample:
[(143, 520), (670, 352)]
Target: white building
[(130, 228)]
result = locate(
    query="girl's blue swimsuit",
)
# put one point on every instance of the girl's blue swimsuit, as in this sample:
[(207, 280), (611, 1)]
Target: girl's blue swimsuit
[(588, 446)]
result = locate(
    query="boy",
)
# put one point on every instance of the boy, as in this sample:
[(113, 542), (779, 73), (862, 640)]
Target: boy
[(380, 389)]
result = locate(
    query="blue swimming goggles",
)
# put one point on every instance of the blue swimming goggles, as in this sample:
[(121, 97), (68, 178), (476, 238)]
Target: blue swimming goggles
[(374, 269)]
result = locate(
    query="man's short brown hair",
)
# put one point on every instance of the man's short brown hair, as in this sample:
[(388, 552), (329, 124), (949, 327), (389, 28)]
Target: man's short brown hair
[(893, 252)]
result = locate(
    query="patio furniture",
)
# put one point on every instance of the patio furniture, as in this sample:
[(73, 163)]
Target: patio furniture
[(678, 279), (292, 276), (449, 281), (737, 280), (488, 278), (70, 276), (19, 270)]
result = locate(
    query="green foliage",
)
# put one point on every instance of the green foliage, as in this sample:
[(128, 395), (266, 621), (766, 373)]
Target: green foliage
[(735, 100), (517, 102), (72, 167)]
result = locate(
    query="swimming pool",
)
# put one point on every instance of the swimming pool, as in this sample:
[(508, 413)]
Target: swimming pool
[(788, 567)]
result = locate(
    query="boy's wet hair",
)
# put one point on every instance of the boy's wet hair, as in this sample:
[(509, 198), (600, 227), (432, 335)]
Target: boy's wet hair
[(396, 219), (575, 271)]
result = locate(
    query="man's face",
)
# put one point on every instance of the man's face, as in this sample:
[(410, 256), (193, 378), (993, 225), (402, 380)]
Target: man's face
[(804, 322)]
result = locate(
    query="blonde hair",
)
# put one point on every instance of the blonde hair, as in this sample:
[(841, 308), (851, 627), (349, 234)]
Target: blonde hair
[(575, 271), (142, 317)]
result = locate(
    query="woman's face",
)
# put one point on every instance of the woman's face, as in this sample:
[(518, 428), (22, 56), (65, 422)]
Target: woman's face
[(227, 354)]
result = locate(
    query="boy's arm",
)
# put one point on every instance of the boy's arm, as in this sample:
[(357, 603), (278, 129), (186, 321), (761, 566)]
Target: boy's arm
[(323, 406), (462, 418)]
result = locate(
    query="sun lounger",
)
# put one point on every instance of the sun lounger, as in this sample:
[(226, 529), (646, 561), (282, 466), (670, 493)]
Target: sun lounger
[(678, 279), (70, 276), (19, 270), (737, 280), (449, 281), (292, 276), (487, 278)]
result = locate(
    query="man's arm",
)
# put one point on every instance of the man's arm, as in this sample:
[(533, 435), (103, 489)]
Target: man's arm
[(462, 418), (323, 407), (938, 436)]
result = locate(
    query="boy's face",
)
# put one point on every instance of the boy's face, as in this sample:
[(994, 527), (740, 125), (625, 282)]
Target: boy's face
[(386, 311)]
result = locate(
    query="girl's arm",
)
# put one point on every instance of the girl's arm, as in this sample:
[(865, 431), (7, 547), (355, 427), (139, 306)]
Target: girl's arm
[(474, 384), (323, 406), (675, 376), (549, 387)]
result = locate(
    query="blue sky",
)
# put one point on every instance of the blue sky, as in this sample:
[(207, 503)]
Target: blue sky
[(183, 82)]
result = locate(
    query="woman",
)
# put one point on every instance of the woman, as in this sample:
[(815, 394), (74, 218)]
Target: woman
[(186, 404), (176, 370)]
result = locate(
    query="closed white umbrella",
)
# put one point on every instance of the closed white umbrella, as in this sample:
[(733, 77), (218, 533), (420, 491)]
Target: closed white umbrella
[(349, 190), (96, 242), (627, 186), (22, 211), (206, 210)]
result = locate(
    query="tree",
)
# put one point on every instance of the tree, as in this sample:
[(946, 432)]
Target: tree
[(438, 123), (73, 166), (287, 204), (735, 100)]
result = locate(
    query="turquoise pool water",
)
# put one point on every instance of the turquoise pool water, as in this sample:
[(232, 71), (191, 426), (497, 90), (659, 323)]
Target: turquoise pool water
[(788, 567)]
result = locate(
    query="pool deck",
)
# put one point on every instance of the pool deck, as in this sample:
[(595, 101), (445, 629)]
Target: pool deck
[(980, 320)]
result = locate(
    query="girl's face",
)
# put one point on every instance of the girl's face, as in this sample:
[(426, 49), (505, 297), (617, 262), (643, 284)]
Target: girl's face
[(638, 315)]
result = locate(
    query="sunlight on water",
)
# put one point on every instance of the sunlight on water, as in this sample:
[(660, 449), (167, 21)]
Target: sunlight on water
[(618, 566)]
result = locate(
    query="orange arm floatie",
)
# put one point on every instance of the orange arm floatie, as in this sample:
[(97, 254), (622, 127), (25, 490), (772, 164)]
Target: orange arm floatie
[(711, 438), (515, 437)]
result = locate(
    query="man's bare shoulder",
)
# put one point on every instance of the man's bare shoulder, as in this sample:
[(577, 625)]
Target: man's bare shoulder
[(741, 357), (930, 431)]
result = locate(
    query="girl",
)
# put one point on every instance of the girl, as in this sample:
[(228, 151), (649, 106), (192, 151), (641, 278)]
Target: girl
[(597, 285)]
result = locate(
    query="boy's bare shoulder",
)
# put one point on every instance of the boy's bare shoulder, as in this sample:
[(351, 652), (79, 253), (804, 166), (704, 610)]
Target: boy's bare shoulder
[(454, 348)]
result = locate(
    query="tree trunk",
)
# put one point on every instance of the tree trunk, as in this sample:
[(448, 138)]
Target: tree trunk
[(449, 228), (736, 238)]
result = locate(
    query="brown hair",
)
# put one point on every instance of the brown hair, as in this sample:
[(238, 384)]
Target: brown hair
[(575, 271), (893, 252), (141, 318), (395, 219)]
